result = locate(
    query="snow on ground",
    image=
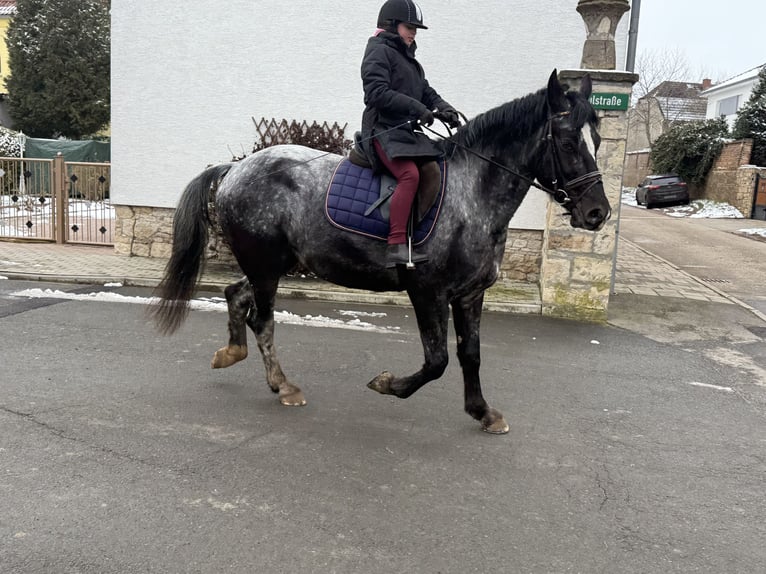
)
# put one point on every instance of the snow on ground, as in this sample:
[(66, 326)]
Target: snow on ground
[(14, 215), (217, 304), (759, 231), (698, 208)]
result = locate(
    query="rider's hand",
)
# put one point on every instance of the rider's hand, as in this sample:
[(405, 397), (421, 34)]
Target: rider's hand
[(426, 118), (449, 116)]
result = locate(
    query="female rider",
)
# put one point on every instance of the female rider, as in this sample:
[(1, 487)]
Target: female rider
[(398, 98)]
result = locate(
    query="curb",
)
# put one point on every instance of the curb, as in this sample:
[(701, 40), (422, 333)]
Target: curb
[(287, 291)]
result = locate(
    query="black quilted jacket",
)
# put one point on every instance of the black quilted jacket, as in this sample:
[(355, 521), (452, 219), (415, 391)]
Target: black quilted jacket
[(396, 90)]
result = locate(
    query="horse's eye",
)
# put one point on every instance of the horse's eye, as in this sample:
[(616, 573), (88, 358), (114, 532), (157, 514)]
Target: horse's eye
[(568, 146)]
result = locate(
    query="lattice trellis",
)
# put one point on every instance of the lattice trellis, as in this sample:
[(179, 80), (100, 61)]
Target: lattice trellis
[(324, 137)]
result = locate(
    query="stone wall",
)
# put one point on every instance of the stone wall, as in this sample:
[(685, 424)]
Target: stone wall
[(637, 167), (523, 256), (147, 232)]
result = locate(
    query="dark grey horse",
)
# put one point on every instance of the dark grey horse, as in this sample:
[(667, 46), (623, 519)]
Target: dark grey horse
[(271, 209)]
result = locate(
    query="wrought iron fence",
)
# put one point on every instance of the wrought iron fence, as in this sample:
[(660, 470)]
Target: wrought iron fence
[(54, 200), (27, 207), (90, 217)]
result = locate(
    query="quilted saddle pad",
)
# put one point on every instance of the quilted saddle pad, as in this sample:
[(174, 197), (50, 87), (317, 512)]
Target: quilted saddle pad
[(354, 190)]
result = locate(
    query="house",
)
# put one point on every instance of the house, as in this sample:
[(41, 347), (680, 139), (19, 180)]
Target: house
[(661, 108), (726, 98)]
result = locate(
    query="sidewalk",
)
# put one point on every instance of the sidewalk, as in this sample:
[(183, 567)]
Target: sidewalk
[(638, 272)]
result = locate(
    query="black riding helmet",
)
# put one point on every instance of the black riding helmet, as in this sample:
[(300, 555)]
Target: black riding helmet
[(405, 11)]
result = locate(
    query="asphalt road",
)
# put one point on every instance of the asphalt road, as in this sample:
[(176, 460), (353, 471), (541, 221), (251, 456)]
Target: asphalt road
[(122, 451), (709, 249)]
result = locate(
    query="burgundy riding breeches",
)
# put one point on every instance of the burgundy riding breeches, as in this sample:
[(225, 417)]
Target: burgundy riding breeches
[(408, 177)]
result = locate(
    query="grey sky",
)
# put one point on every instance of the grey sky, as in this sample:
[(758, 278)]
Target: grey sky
[(718, 39)]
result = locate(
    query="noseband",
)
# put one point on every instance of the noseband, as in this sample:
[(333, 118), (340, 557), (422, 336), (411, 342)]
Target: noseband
[(571, 192)]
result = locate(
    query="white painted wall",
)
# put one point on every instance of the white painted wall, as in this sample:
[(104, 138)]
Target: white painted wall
[(741, 86), (188, 75)]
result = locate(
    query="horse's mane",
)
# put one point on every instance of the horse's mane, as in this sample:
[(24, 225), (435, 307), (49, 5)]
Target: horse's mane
[(520, 119)]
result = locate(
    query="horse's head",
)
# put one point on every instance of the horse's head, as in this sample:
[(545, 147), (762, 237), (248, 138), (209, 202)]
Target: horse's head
[(568, 159)]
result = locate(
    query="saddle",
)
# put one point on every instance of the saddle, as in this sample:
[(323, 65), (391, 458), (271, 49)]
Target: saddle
[(428, 189)]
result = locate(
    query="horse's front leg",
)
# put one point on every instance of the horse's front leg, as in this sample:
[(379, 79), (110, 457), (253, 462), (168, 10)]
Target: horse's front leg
[(432, 312), (261, 321), (467, 318), (239, 301)]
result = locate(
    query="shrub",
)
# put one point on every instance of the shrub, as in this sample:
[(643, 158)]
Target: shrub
[(689, 149)]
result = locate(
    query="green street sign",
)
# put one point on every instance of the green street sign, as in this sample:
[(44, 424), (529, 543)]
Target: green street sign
[(607, 101)]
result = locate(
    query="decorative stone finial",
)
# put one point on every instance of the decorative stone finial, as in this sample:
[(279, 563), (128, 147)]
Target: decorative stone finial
[(601, 19)]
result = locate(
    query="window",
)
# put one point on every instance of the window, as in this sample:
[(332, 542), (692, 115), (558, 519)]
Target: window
[(728, 106)]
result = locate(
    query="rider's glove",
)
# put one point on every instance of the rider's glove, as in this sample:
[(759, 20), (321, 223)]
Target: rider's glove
[(449, 116), (426, 118)]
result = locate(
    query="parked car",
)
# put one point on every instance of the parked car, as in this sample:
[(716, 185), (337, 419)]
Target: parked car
[(666, 188)]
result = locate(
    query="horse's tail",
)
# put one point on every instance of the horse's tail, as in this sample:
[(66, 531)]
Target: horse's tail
[(190, 234)]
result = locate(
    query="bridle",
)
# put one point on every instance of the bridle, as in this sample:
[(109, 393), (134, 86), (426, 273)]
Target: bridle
[(569, 194)]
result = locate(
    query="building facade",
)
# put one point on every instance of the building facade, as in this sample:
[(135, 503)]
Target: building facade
[(725, 99)]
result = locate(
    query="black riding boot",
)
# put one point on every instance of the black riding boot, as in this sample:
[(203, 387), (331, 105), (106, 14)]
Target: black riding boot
[(399, 255)]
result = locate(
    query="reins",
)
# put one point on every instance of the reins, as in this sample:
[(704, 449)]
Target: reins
[(564, 194)]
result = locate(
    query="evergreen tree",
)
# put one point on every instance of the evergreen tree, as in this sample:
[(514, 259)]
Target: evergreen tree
[(751, 120), (689, 149), (59, 55)]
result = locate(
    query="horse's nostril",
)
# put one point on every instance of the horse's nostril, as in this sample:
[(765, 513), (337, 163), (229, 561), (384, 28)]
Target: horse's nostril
[(595, 216)]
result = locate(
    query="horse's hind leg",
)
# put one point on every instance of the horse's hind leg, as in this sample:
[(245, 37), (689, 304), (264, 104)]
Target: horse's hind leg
[(261, 321), (467, 318), (239, 300)]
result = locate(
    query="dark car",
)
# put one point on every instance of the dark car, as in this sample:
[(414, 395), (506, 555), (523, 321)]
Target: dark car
[(666, 188)]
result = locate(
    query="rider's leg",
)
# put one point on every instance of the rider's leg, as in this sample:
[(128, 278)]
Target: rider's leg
[(407, 175)]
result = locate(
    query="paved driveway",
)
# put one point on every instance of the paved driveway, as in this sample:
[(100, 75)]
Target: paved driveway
[(709, 249)]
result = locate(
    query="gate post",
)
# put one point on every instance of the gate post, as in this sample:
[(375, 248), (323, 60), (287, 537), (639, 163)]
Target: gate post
[(60, 198)]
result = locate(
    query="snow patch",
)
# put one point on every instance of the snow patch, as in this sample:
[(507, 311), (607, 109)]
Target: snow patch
[(217, 304)]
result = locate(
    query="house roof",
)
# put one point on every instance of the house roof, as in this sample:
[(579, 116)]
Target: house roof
[(679, 101), (7, 7), (743, 77)]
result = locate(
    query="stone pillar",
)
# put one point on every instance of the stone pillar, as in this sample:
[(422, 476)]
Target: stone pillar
[(577, 265), (601, 19)]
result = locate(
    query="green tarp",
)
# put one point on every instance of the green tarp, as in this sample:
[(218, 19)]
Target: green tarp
[(83, 151)]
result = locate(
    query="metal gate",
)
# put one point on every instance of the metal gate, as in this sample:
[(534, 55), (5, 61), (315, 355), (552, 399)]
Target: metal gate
[(759, 198), (54, 200)]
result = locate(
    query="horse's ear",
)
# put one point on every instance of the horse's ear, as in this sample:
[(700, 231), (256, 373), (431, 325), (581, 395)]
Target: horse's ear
[(586, 86), (557, 101)]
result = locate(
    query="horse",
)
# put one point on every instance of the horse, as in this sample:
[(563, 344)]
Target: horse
[(270, 211)]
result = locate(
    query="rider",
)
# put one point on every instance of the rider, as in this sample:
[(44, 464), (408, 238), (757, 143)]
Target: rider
[(396, 91)]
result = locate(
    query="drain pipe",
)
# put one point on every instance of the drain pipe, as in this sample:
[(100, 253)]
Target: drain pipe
[(635, 10)]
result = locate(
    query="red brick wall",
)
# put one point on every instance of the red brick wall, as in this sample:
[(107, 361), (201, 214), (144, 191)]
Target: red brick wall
[(722, 183), (733, 155)]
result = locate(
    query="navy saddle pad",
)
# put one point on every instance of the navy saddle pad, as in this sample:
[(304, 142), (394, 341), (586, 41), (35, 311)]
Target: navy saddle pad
[(354, 190)]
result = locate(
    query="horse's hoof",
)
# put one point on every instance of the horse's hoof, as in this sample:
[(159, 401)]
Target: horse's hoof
[(494, 423), (292, 397), (227, 356), (382, 383)]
